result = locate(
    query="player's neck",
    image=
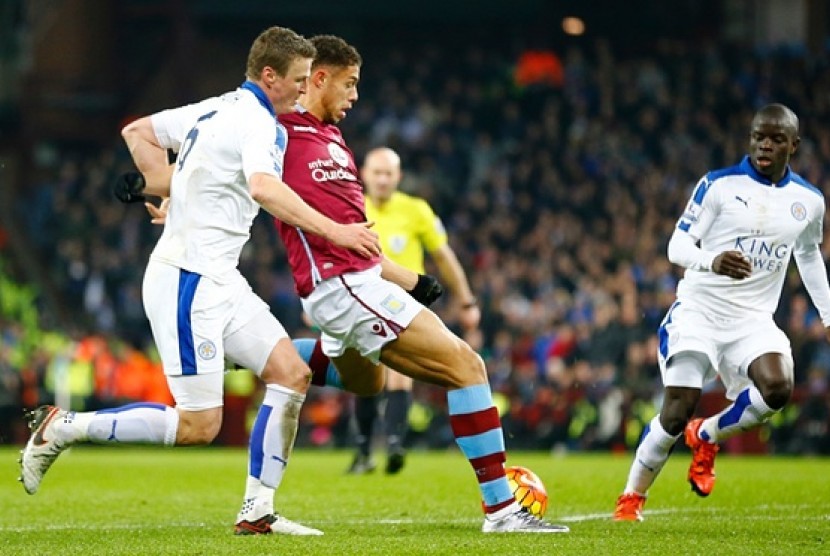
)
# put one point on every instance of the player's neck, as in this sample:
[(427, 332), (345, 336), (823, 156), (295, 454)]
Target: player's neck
[(312, 106)]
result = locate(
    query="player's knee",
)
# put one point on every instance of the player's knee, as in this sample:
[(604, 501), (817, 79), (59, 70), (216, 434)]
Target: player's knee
[(295, 375), (673, 423), (676, 412), (197, 428), (470, 369), (776, 393)]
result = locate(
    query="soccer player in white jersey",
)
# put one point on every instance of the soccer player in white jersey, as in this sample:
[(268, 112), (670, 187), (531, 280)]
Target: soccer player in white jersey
[(740, 229), (201, 310)]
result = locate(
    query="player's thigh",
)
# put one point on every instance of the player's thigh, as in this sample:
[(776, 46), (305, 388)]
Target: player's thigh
[(359, 311), (253, 335), (758, 338), (359, 374), (689, 348), (428, 351), (188, 314), (398, 381)]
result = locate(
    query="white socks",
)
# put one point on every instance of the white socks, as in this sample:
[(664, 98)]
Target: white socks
[(748, 410), (651, 455), (146, 423), (272, 440)]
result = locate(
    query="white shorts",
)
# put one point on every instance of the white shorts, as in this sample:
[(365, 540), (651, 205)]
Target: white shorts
[(197, 323), (360, 310), (729, 345)]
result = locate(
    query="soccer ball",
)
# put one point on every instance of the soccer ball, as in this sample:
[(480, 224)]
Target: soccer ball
[(528, 489)]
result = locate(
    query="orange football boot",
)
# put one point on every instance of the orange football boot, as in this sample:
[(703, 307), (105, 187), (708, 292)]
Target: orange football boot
[(629, 507), (702, 469)]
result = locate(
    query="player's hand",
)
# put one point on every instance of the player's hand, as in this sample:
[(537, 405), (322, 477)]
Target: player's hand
[(469, 315), (733, 264), (128, 187), (427, 290), (158, 214), (357, 237)]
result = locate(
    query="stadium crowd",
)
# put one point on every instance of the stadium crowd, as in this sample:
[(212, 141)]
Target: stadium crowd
[(559, 189)]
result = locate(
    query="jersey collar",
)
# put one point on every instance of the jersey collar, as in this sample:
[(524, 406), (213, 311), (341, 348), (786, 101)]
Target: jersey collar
[(260, 95), (749, 169)]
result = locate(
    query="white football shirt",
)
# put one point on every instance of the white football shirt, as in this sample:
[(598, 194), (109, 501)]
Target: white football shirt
[(739, 209), (221, 142)]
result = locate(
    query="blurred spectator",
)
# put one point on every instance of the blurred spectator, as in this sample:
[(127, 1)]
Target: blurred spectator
[(559, 199)]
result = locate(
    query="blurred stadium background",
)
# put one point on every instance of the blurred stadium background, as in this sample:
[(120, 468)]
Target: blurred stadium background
[(558, 140)]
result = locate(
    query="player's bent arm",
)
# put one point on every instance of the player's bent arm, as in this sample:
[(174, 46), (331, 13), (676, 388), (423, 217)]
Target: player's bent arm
[(453, 275), (400, 275), (284, 203), (683, 251), (814, 276), (150, 158)]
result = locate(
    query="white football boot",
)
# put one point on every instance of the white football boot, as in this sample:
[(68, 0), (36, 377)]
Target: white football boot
[(253, 520), (43, 447), (520, 521)]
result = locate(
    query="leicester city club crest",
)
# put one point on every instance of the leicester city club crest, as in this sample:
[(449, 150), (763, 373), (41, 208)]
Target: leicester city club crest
[(798, 211), (206, 350)]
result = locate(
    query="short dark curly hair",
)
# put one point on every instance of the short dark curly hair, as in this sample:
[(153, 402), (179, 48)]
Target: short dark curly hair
[(334, 51)]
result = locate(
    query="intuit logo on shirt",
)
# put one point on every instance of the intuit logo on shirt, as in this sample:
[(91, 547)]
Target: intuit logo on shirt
[(764, 255)]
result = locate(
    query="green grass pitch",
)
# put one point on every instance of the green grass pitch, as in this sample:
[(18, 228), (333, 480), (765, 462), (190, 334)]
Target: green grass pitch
[(183, 501)]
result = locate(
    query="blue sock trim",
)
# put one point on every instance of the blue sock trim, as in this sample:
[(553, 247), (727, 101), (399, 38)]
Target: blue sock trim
[(734, 414), (496, 491), (469, 399), (305, 347), (256, 452), (137, 405), (333, 377), (483, 444)]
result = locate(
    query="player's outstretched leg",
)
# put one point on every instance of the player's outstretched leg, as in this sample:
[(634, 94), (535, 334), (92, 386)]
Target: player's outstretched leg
[(54, 430), (652, 452), (43, 447), (271, 442), (477, 428)]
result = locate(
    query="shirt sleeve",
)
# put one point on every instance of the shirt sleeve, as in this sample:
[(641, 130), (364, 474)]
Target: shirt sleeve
[(701, 210), (683, 251), (814, 276), (696, 220), (172, 126), (432, 234), (810, 263)]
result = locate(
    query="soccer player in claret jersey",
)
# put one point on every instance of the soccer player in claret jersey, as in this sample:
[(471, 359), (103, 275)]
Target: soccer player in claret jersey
[(408, 228), (740, 229), (367, 320), (201, 310)]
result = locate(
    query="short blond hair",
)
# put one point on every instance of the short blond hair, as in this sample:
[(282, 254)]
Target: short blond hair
[(277, 47)]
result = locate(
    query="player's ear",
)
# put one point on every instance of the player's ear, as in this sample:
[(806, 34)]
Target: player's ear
[(268, 75), (796, 143), (319, 77)]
